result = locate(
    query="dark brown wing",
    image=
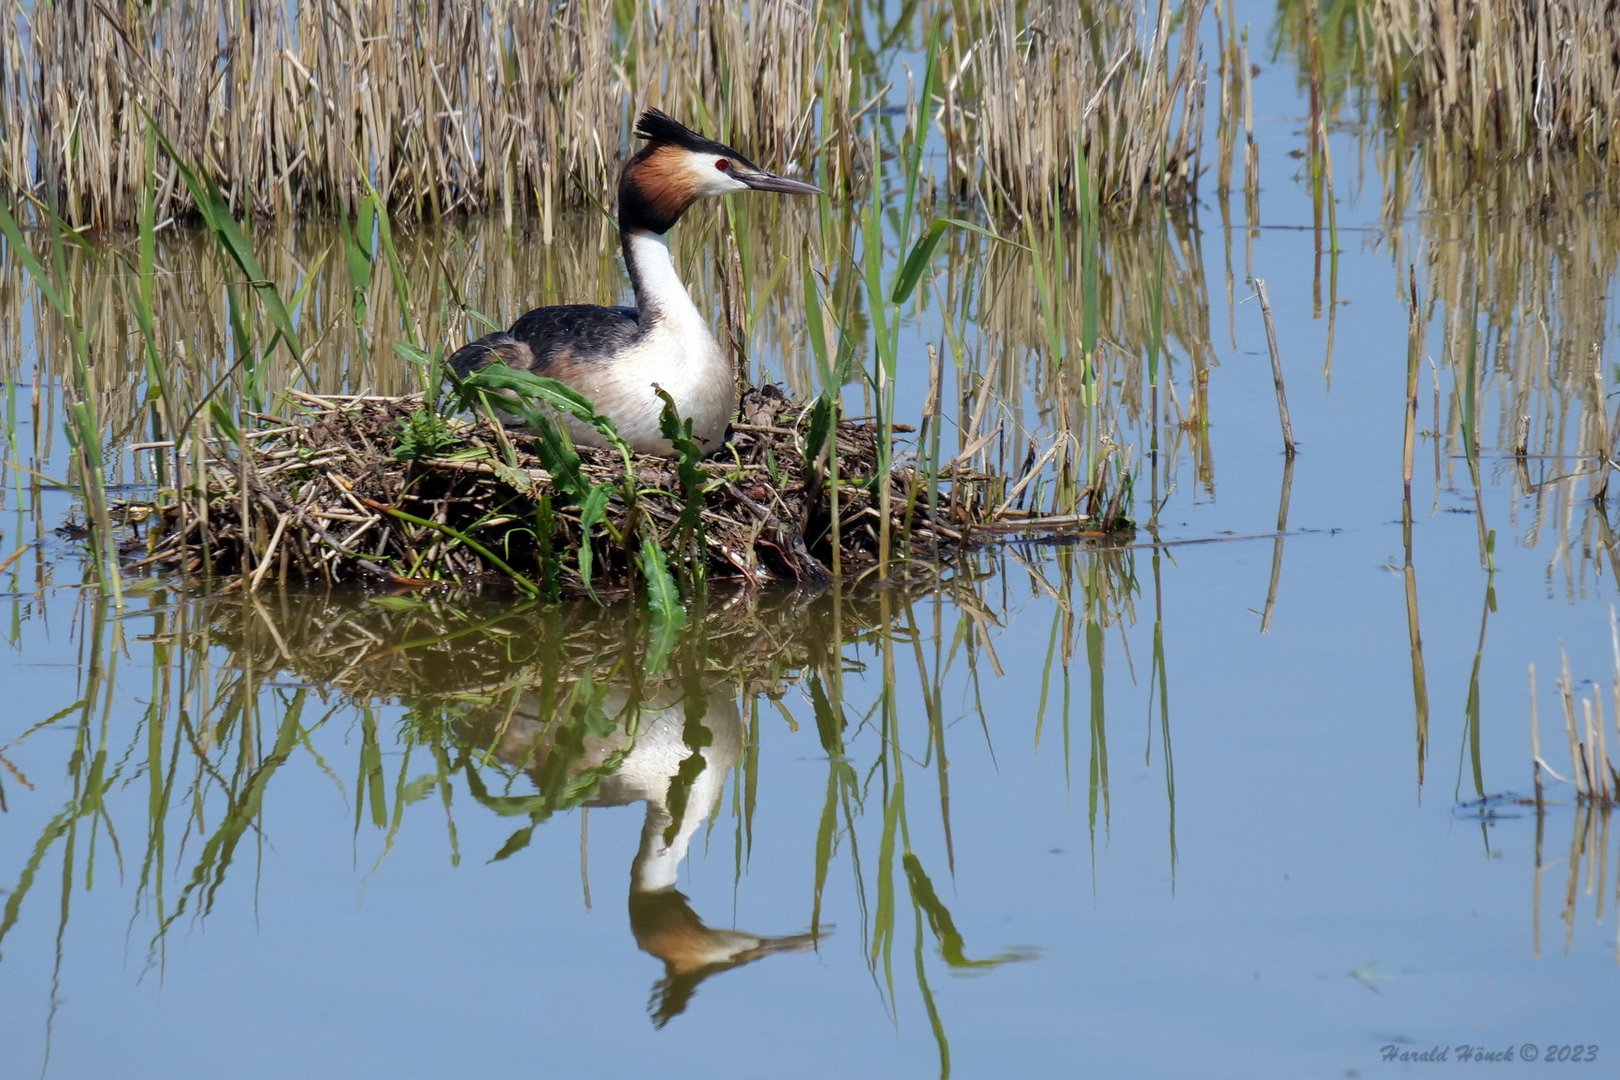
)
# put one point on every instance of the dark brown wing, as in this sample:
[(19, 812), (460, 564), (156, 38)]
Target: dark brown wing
[(566, 332)]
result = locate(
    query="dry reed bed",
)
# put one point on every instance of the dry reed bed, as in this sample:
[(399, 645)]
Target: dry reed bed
[(514, 106), (509, 105), (327, 498), (1500, 79), (1067, 105), (442, 105)]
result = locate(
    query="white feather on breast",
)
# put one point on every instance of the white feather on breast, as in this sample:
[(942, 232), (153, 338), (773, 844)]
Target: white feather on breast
[(676, 352)]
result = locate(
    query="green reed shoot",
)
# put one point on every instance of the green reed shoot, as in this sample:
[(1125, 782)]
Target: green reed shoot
[(167, 415), (1468, 377), (840, 302), (689, 529), (234, 242), (359, 251), (1155, 341), (884, 303)]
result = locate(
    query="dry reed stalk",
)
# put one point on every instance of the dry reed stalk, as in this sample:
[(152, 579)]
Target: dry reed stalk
[(442, 105), (1251, 145), (1276, 368), (1228, 79), (1075, 91), (1566, 692)]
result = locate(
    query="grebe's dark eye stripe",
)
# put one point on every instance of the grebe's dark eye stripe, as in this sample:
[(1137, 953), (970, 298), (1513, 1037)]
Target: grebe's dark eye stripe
[(723, 165)]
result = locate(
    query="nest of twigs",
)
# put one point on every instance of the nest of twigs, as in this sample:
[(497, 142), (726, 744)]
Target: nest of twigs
[(354, 490)]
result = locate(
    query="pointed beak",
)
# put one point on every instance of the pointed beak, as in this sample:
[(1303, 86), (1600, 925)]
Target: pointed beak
[(764, 181)]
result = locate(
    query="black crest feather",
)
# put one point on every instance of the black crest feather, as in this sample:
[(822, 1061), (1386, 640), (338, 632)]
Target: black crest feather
[(659, 127)]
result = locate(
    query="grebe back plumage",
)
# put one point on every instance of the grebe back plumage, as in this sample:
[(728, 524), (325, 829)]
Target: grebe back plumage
[(619, 356)]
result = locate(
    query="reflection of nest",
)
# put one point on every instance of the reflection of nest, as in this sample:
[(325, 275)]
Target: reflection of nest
[(327, 498), (427, 647)]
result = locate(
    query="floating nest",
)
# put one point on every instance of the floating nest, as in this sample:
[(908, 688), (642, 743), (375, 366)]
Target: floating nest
[(383, 489)]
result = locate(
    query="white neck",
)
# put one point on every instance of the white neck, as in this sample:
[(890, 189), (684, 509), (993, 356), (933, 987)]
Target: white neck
[(659, 289), (674, 350), (657, 865)]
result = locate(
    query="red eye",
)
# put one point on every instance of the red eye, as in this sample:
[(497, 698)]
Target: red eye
[(723, 165)]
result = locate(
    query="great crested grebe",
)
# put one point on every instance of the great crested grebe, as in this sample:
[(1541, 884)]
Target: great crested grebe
[(619, 356)]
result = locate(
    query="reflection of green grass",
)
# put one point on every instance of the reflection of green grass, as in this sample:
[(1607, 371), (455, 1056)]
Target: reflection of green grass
[(82, 424), (525, 711)]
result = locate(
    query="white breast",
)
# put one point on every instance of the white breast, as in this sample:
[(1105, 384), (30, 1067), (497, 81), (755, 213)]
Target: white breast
[(677, 353)]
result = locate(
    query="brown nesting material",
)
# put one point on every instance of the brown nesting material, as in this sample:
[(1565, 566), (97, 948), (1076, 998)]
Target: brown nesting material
[(327, 498)]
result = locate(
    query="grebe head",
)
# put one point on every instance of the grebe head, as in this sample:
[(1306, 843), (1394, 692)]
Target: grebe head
[(678, 166)]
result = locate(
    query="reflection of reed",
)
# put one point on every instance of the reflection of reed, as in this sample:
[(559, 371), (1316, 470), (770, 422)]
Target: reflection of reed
[(1588, 859), (1151, 299), (1129, 278), (434, 650), (1517, 278)]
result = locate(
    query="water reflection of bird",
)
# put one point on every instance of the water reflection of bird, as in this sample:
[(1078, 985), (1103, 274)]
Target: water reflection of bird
[(617, 356), (672, 749)]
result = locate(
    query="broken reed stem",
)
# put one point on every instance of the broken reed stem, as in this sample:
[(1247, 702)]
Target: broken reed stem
[(1590, 769), (1566, 688), (1276, 368), (1599, 748), (1414, 349), (1535, 738)]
